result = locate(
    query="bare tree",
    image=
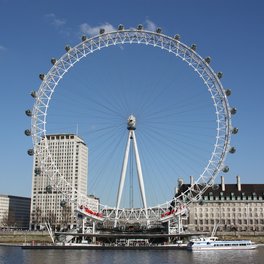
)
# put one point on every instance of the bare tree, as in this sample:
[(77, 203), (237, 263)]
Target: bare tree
[(11, 218), (66, 216), (51, 218), (8, 219), (4, 221), (36, 217)]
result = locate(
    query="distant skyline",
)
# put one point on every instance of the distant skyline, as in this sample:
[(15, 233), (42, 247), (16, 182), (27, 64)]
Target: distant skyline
[(33, 32)]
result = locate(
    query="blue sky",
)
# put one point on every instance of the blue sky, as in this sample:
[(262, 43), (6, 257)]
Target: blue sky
[(34, 31)]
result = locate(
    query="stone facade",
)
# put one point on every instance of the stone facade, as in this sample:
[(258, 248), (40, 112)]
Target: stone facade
[(233, 207)]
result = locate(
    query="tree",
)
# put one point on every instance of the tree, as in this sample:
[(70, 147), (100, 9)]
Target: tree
[(8, 219), (4, 220), (50, 218), (66, 215), (36, 217)]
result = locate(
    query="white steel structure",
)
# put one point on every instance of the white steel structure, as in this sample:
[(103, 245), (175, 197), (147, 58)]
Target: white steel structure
[(131, 126), (176, 48)]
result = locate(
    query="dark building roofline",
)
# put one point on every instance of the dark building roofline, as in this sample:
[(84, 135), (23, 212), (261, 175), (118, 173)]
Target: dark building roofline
[(14, 196), (231, 189)]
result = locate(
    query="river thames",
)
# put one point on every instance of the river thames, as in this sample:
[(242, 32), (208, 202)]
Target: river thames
[(13, 255)]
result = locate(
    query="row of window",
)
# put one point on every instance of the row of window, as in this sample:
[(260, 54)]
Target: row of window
[(230, 221), (217, 215), (220, 204), (233, 209), (239, 228), (60, 137)]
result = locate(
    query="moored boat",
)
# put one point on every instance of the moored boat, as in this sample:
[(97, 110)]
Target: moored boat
[(212, 243)]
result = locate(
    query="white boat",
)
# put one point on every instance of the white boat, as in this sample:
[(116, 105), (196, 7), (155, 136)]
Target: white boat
[(212, 243)]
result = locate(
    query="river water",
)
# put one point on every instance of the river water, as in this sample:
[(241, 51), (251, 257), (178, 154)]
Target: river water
[(14, 255)]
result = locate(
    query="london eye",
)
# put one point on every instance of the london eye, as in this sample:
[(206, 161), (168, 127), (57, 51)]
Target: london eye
[(147, 121)]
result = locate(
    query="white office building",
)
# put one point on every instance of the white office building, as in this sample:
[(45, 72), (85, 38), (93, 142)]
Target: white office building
[(70, 155)]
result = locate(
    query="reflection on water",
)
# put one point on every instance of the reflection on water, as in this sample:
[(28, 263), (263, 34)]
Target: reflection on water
[(227, 256), (10, 255), (107, 256), (13, 255)]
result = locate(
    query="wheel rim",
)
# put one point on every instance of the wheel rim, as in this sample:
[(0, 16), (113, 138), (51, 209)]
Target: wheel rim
[(132, 36)]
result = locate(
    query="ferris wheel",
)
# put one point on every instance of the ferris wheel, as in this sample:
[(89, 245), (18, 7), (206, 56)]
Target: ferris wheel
[(116, 213)]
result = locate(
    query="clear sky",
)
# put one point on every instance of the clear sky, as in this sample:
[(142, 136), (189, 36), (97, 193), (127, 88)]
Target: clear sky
[(31, 32)]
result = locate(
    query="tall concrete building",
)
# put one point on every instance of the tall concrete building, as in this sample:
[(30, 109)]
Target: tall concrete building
[(232, 207), (14, 212), (70, 155)]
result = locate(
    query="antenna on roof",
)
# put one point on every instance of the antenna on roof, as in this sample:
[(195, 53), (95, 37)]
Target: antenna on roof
[(77, 129)]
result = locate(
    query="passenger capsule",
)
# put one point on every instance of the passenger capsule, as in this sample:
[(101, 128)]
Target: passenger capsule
[(220, 75), (234, 130), (37, 171), (225, 169), (84, 37), (203, 184), (102, 31), (49, 189), (201, 202), (232, 150), (194, 47), (42, 76), (53, 61), (79, 216), (158, 30), (177, 37), (67, 48), (28, 112), (233, 110), (33, 94), (27, 132), (121, 27), (30, 152), (63, 203), (228, 92), (215, 187), (140, 27), (207, 60)]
